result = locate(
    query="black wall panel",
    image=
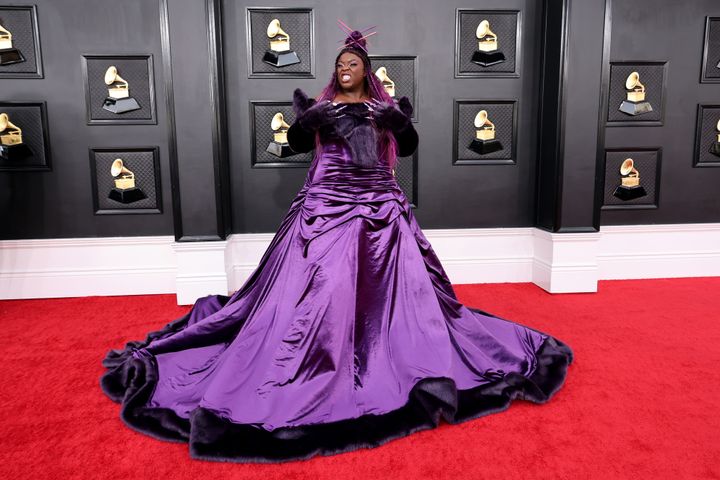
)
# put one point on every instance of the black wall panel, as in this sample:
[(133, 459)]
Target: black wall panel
[(203, 92), (672, 32), (480, 195), (59, 203)]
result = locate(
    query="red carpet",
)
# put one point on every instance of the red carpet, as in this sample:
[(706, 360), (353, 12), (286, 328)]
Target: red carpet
[(641, 399)]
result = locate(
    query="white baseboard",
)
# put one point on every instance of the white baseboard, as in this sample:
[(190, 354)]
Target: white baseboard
[(659, 251), (558, 263), (565, 262), (78, 267)]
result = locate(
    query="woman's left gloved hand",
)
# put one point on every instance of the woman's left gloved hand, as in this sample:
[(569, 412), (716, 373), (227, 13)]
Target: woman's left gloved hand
[(388, 115)]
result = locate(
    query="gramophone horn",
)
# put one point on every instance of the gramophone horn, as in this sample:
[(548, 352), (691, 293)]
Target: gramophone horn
[(627, 166), (111, 76), (278, 122), (633, 81), (381, 73), (483, 29), (717, 127), (481, 118), (6, 124), (117, 168), (274, 29)]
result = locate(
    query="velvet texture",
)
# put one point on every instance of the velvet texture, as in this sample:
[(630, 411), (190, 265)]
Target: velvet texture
[(355, 127), (347, 335)]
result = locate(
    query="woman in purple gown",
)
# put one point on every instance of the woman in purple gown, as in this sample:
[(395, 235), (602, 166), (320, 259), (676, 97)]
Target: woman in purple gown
[(348, 334)]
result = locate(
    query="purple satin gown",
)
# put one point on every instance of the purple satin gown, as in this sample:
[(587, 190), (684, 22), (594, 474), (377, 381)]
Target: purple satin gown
[(347, 335)]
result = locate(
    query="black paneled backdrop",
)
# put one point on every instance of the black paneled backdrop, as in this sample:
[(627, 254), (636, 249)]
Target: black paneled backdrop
[(59, 203), (20, 22), (689, 194), (211, 100), (504, 24), (421, 28)]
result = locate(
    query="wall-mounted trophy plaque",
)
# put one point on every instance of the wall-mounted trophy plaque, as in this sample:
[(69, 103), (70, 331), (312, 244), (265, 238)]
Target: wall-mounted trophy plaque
[(118, 99), (269, 123), (8, 53), (279, 54), (632, 178), (487, 53), (24, 138), (484, 132), (636, 94), (12, 147), (635, 103), (119, 89), (629, 188), (398, 75), (126, 180), (388, 84), (125, 190), (484, 141), (710, 72), (707, 136), (20, 55), (487, 43), (280, 42), (279, 145)]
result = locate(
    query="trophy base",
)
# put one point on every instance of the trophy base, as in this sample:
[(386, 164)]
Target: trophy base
[(280, 59), (16, 152), (281, 150), (715, 149), (635, 108), (8, 56), (120, 105), (487, 59), (484, 147), (129, 195), (629, 193)]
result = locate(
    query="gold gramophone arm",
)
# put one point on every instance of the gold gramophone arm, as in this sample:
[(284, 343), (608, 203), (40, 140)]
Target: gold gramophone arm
[(5, 34)]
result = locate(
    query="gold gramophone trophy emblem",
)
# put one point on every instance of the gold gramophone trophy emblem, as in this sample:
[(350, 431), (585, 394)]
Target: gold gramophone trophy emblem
[(125, 190), (279, 54), (118, 99), (8, 54), (484, 141), (11, 140), (635, 103), (387, 83), (487, 53), (629, 188), (279, 145), (715, 147)]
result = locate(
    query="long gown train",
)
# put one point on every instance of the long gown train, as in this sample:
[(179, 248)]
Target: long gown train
[(347, 335)]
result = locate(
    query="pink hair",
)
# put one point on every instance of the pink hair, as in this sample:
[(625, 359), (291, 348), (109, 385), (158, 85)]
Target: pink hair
[(373, 86)]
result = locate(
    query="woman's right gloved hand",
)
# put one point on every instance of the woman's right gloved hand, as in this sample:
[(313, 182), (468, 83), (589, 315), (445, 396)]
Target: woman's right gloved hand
[(319, 115)]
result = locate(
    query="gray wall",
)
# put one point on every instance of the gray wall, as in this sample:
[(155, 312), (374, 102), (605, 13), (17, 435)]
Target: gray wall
[(59, 203), (485, 195), (667, 30), (202, 94)]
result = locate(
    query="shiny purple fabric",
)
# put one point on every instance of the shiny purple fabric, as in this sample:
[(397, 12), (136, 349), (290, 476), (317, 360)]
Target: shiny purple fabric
[(348, 309)]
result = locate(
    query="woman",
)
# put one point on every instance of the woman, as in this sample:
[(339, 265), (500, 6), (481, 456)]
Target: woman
[(348, 334)]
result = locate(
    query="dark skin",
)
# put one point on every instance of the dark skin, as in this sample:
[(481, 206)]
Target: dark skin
[(352, 88)]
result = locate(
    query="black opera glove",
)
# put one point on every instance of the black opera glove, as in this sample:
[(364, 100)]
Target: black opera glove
[(389, 116), (319, 115)]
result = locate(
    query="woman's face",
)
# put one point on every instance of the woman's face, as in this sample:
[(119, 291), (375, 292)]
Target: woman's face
[(350, 71)]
